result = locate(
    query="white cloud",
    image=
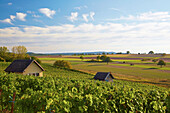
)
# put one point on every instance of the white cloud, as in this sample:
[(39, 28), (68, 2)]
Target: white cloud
[(85, 17), (10, 3), (6, 21), (115, 9), (73, 16), (148, 16), (137, 37), (92, 15), (36, 16), (21, 16), (12, 17), (80, 7), (30, 12), (47, 12)]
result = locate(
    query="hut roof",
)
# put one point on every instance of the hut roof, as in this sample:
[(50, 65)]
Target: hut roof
[(21, 65), (102, 75)]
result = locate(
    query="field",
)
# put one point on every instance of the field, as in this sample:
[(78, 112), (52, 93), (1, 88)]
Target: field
[(142, 71), (69, 90)]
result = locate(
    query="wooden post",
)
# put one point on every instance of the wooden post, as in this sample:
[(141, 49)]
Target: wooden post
[(13, 100)]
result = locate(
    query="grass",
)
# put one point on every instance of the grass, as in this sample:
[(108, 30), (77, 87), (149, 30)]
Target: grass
[(144, 66), (67, 59), (142, 71)]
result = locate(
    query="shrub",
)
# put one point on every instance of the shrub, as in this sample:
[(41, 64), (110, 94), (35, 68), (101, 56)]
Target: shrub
[(145, 59), (161, 63), (62, 63), (2, 60), (35, 58)]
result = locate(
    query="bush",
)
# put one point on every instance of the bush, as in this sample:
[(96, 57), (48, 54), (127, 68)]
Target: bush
[(35, 58), (2, 60), (145, 59), (62, 63), (161, 63)]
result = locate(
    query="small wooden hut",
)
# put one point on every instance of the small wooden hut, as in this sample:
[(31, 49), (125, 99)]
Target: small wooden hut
[(25, 67), (104, 76)]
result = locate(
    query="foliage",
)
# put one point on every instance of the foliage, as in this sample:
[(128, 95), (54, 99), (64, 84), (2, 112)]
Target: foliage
[(2, 60), (34, 58), (145, 59), (154, 60), (103, 57), (161, 63), (163, 55), (3, 50), (98, 57), (74, 94), (128, 52), (151, 52), (108, 60), (62, 63), (20, 51), (81, 57)]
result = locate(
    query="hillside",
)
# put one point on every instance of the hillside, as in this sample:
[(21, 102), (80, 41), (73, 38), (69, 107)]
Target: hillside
[(142, 71), (64, 90)]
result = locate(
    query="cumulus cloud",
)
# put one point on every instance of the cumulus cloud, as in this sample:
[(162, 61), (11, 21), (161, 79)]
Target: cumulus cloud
[(21, 16), (12, 17), (148, 16), (6, 21), (114, 36), (85, 17), (92, 15), (73, 16), (47, 12), (10, 3)]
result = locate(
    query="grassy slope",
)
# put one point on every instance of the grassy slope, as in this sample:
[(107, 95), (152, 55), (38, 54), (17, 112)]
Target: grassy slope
[(142, 71)]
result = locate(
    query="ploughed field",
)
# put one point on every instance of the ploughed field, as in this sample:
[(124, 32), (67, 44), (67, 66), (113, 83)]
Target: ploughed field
[(68, 90), (142, 71)]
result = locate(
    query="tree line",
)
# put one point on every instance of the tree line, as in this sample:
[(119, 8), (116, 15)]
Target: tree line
[(17, 52)]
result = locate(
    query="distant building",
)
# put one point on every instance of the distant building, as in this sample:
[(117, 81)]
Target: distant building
[(104, 76), (25, 67)]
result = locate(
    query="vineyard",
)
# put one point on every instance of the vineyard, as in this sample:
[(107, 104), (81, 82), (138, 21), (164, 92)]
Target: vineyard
[(64, 90)]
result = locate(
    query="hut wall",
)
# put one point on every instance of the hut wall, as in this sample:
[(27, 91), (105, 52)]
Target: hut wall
[(33, 69)]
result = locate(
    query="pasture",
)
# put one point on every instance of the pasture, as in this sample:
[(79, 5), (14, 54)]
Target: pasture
[(142, 71)]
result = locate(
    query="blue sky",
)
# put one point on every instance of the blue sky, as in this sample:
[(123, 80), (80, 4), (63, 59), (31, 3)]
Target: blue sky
[(86, 25)]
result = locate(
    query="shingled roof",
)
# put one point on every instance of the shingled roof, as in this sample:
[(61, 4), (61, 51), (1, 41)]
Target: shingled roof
[(20, 65), (102, 75)]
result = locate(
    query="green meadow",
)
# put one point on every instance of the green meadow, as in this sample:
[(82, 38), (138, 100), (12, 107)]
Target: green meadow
[(142, 71)]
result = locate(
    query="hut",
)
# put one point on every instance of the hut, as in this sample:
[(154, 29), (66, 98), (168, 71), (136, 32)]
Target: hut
[(25, 67), (104, 76)]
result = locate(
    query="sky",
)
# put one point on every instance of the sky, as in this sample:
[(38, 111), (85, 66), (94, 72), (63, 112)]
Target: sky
[(54, 26)]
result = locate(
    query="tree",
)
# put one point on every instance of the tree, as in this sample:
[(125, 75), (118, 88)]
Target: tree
[(154, 60), (103, 57), (164, 54), (98, 57), (20, 51), (151, 52), (2, 60), (3, 50), (161, 63), (128, 52), (62, 63), (82, 58), (108, 60), (35, 58)]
